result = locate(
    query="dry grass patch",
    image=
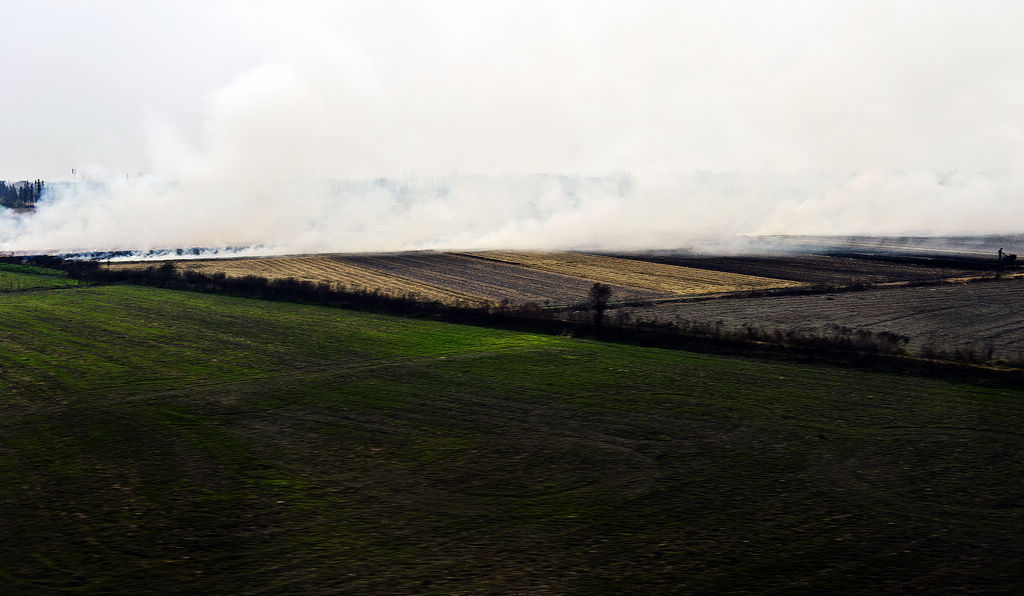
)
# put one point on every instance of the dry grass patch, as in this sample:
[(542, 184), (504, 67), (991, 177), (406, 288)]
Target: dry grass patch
[(320, 269), (639, 274)]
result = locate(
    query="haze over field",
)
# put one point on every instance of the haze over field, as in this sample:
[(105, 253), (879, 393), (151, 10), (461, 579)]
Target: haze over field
[(366, 126)]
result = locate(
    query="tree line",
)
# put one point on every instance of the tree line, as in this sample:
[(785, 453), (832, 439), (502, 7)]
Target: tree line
[(20, 195)]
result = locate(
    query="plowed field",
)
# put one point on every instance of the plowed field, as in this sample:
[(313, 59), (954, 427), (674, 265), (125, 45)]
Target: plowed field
[(321, 269), (813, 268), (494, 280), (656, 277), (947, 317)]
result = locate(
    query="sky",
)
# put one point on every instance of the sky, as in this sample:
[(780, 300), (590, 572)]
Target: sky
[(360, 126)]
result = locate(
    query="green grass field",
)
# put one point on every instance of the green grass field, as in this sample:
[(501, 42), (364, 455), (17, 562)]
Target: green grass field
[(154, 441), (15, 278)]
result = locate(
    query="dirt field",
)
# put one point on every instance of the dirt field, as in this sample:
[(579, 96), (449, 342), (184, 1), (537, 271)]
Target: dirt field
[(824, 269), (976, 316), (495, 281), (658, 277)]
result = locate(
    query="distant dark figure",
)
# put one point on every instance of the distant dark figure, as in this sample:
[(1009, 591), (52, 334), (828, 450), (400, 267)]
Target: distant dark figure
[(1000, 254)]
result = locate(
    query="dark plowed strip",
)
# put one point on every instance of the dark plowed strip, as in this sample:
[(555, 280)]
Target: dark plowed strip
[(808, 268)]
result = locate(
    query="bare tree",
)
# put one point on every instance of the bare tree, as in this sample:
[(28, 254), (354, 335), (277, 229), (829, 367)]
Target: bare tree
[(598, 301)]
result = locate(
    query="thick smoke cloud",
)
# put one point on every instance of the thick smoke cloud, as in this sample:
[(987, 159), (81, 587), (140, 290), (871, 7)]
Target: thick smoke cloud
[(390, 126)]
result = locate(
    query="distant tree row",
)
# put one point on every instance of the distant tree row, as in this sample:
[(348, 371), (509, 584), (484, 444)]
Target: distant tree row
[(20, 195)]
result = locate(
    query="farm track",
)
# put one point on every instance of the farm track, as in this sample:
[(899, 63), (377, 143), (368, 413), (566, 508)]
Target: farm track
[(656, 277), (493, 279)]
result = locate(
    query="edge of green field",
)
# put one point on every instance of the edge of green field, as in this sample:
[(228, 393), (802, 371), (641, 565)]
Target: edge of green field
[(15, 278)]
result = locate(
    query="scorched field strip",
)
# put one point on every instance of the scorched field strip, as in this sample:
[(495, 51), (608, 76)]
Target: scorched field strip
[(656, 277)]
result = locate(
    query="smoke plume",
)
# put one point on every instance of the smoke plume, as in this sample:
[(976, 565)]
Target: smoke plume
[(395, 126)]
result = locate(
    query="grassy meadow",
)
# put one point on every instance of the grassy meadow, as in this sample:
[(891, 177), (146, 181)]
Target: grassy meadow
[(155, 441), (16, 278)]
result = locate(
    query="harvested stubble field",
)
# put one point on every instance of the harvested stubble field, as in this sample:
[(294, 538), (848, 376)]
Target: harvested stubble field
[(494, 280), (164, 441), (322, 269), (819, 269), (657, 277), (983, 317)]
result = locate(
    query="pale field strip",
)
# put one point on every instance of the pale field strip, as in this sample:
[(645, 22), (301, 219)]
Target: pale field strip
[(658, 277), (319, 269)]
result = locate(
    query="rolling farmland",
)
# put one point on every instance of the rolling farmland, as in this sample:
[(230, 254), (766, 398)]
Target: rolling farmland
[(657, 277), (563, 279), (978, 320), (194, 443)]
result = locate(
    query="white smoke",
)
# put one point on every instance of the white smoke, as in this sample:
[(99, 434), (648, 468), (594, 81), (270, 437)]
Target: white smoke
[(392, 126)]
